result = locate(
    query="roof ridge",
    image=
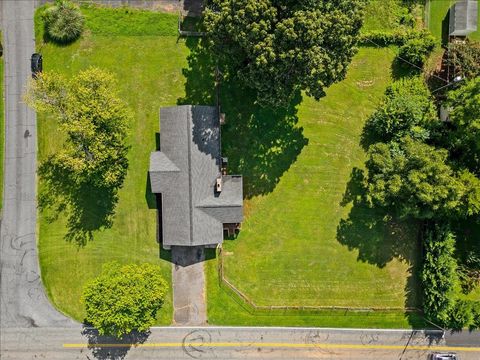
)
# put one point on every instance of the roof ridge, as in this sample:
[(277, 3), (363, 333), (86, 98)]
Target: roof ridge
[(189, 162)]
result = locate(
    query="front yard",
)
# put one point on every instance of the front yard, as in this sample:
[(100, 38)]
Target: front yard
[(148, 69)]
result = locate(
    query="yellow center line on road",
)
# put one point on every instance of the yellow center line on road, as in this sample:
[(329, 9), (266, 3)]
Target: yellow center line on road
[(278, 345)]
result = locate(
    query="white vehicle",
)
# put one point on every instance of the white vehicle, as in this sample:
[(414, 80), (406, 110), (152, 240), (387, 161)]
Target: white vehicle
[(444, 356)]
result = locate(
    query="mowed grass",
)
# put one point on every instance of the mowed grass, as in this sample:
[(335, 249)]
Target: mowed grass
[(382, 15), (437, 23), (149, 73), (291, 250)]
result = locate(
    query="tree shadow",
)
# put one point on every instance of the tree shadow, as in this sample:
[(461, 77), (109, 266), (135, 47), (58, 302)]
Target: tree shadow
[(105, 347), (260, 143), (193, 7), (467, 252), (401, 70), (379, 238), (88, 207), (199, 75)]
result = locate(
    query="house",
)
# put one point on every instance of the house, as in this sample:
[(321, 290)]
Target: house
[(463, 18), (197, 201)]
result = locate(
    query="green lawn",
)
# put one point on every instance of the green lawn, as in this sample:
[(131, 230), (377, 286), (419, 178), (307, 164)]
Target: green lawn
[(382, 15), (437, 23), (149, 73), (301, 244)]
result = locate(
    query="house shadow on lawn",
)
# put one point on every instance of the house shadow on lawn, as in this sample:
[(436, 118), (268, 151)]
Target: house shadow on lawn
[(380, 238), (111, 348), (260, 143)]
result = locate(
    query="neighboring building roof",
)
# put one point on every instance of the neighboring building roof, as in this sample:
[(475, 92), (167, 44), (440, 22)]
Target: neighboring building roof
[(185, 170), (463, 18)]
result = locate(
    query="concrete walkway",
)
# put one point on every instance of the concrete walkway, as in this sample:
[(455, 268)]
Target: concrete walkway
[(188, 281), (23, 302)]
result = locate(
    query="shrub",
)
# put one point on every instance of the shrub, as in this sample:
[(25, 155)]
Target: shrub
[(461, 315), (417, 49), (63, 22), (439, 275), (475, 315), (465, 57), (407, 109), (124, 298)]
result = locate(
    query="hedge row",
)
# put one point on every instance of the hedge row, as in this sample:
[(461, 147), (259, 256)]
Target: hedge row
[(386, 38), (439, 276), (441, 284)]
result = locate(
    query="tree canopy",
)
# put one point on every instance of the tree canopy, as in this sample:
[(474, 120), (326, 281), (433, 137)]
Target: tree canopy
[(90, 168), (277, 47), (414, 179), (464, 139), (124, 298)]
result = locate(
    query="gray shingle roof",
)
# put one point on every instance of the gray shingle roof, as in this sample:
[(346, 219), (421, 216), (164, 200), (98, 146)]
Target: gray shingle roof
[(184, 171), (463, 18)]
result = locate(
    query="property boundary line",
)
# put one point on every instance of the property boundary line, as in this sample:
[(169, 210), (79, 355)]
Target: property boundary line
[(253, 308), (224, 281)]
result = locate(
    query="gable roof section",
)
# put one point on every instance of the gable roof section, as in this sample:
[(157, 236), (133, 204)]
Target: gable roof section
[(226, 207)]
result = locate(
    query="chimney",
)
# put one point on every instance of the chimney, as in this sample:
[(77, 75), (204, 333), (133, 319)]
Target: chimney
[(218, 185)]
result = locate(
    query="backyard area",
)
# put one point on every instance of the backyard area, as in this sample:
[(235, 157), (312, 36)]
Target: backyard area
[(148, 70), (302, 243), (437, 11)]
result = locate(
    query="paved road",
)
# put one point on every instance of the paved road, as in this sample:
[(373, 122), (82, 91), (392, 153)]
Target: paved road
[(23, 302), (188, 281), (228, 343)]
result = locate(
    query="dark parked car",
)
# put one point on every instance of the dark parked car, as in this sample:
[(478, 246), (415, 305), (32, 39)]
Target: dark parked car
[(36, 64), (444, 356)]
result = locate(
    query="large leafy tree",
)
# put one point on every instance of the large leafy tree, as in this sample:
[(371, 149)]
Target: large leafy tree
[(279, 46), (84, 176), (413, 179), (464, 139), (124, 298)]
